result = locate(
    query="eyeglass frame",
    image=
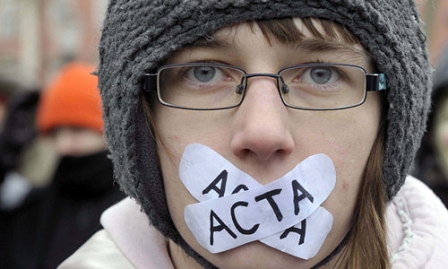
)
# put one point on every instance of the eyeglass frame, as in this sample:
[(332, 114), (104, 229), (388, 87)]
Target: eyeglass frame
[(374, 82)]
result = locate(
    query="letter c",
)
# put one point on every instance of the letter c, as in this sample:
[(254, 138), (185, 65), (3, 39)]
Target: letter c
[(237, 225)]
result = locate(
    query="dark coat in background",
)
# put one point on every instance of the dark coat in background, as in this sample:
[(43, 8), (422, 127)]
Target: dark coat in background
[(56, 220)]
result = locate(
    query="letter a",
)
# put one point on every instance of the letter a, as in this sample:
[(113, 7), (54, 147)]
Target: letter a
[(301, 232), (219, 227), (296, 186), (220, 191)]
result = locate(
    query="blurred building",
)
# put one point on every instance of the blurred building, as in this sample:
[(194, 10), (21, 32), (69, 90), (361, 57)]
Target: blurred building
[(38, 36), (435, 16)]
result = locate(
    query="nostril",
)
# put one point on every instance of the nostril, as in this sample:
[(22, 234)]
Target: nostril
[(262, 147)]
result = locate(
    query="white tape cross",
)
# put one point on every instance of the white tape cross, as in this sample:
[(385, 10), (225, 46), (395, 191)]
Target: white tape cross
[(284, 214)]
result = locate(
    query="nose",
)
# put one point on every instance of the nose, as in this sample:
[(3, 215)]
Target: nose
[(261, 131)]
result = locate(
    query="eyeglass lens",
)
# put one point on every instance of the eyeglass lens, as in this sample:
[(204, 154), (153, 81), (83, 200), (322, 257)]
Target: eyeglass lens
[(311, 86)]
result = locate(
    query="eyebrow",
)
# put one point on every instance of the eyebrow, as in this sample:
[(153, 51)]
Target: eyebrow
[(211, 42), (325, 46), (313, 45)]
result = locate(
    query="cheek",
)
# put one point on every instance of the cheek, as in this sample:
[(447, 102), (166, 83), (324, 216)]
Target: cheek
[(176, 194), (349, 146), (183, 128), (349, 154)]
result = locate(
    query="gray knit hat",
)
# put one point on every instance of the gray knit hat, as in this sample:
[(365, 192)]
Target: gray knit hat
[(139, 34)]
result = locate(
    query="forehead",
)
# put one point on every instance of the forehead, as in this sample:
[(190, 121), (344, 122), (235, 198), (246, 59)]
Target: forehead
[(307, 33), (307, 36)]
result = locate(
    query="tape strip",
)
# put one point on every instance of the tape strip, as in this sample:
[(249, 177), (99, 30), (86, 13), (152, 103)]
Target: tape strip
[(235, 209)]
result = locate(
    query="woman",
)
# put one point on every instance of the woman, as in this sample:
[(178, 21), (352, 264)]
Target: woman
[(264, 134), (55, 219)]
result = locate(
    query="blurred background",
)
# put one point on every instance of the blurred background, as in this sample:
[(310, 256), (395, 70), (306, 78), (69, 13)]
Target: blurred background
[(55, 177), (37, 36), (435, 16)]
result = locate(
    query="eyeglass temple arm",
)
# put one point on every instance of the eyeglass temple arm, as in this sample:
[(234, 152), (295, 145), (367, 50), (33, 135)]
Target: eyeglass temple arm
[(376, 82), (150, 82)]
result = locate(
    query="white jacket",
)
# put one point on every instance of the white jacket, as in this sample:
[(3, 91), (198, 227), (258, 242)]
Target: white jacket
[(417, 224)]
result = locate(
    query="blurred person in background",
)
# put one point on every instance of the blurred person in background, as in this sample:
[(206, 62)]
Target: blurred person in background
[(21, 165), (55, 220), (431, 164), (25, 161), (15, 106), (6, 88)]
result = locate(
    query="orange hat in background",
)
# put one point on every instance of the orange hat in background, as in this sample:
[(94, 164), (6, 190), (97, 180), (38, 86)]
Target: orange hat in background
[(71, 99)]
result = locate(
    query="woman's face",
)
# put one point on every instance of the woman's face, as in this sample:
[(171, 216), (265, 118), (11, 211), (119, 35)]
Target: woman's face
[(76, 141), (266, 139)]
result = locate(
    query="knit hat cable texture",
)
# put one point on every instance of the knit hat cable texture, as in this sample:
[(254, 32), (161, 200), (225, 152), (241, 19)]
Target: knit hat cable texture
[(138, 35)]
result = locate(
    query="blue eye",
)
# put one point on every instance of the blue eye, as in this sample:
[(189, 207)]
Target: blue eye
[(204, 73), (321, 75)]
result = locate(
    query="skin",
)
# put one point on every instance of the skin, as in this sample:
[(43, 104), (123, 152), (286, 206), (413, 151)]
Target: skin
[(266, 139), (76, 141)]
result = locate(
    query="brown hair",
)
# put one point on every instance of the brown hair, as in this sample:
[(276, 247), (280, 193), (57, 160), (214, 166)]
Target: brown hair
[(366, 245), (286, 31)]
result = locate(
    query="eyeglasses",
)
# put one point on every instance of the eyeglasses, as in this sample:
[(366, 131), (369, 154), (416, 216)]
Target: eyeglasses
[(213, 86)]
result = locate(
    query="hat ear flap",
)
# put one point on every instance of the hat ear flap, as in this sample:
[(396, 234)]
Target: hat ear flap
[(149, 186)]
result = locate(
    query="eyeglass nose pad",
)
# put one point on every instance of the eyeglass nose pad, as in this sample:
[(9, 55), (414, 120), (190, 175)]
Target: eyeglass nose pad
[(239, 89), (284, 88)]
